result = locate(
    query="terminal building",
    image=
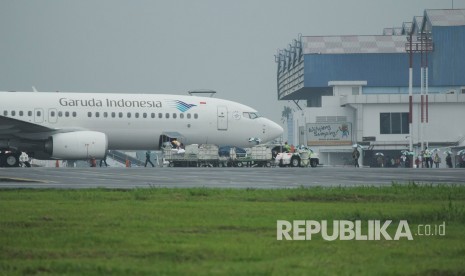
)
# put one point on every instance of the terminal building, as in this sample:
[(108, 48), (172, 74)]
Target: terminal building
[(354, 89)]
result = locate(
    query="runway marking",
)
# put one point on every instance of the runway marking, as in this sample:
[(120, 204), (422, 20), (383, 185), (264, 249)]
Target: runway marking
[(27, 180)]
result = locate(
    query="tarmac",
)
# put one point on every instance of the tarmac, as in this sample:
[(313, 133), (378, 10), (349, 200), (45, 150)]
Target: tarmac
[(259, 178)]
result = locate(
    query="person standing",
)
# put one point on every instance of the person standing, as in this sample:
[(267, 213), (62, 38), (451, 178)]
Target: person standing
[(437, 160), (147, 158), (449, 160), (356, 156), (427, 157), (104, 160)]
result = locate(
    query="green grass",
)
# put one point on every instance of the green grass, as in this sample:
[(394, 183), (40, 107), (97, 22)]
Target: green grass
[(224, 231)]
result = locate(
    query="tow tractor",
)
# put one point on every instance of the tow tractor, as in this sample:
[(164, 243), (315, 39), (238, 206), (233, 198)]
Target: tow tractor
[(301, 157)]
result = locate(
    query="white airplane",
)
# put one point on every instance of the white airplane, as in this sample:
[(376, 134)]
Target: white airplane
[(56, 125)]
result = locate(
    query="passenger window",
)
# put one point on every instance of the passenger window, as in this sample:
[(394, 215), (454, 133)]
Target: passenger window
[(136, 115), (188, 115), (160, 115), (5, 113), (74, 114), (113, 114), (105, 114), (144, 115), (21, 113), (181, 115), (97, 114), (196, 116), (167, 115), (39, 113), (67, 113), (129, 114), (174, 115), (52, 113), (89, 114), (60, 114), (13, 113), (29, 113), (152, 115), (120, 114)]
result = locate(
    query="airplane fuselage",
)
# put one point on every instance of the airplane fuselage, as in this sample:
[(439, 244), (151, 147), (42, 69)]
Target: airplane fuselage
[(136, 121)]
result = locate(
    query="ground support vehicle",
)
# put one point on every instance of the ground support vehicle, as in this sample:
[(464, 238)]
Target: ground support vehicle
[(299, 158), (258, 156), (205, 155)]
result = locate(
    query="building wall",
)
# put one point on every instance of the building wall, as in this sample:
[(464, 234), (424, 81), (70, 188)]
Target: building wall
[(447, 61), (379, 70), (445, 122)]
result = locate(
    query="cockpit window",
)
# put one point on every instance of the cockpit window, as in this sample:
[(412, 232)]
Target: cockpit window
[(250, 115)]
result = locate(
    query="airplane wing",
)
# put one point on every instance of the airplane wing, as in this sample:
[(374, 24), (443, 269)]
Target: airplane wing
[(11, 128)]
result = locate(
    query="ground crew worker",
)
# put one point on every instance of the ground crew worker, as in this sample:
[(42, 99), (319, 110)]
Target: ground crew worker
[(287, 148), (147, 158), (104, 160), (427, 156), (356, 156)]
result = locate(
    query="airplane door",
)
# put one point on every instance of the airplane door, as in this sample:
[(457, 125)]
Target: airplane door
[(38, 115), (222, 118), (52, 115)]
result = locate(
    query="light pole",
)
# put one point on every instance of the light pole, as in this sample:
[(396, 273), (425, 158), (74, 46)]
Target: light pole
[(425, 45)]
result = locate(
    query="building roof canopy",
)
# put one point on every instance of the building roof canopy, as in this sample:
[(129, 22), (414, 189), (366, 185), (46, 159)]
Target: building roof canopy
[(445, 17), (355, 44)]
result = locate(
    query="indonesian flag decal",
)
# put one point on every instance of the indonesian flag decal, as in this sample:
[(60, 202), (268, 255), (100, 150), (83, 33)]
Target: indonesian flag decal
[(203, 102)]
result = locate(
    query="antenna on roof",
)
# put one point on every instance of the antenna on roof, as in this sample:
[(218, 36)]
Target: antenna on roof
[(202, 91)]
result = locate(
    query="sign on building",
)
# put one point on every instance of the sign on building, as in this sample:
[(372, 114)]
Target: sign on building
[(329, 134)]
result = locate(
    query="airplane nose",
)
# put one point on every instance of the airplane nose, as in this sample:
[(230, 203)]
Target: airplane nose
[(274, 130)]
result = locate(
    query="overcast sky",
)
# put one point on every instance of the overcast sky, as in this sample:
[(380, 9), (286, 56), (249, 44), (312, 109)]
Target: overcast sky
[(174, 46)]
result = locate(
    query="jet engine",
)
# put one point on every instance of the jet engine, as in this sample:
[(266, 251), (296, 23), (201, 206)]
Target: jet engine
[(77, 145)]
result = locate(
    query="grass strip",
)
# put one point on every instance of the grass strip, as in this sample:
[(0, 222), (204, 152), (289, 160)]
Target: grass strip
[(225, 231)]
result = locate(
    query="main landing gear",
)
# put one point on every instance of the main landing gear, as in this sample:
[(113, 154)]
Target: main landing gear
[(9, 158)]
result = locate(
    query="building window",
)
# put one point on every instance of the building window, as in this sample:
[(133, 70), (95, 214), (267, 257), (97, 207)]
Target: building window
[(355, 90), (394, 123)]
